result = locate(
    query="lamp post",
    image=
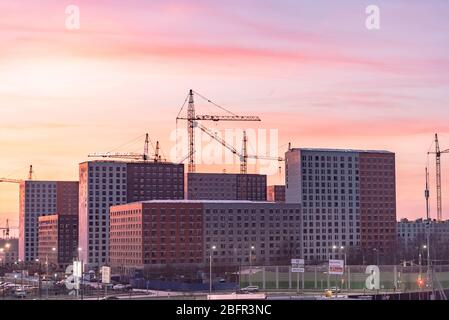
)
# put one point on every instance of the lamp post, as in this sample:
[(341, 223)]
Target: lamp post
[(328, 267), (40, 279), (342, 248), (82, 272), (425, 247), (334, 247), (250, 264), (210, 268)]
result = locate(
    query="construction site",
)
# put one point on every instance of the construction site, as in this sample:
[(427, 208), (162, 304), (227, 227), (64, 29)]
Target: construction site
[(119, 180)]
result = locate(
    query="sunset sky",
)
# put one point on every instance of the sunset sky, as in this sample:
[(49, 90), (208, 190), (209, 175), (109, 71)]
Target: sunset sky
[(310, 69)]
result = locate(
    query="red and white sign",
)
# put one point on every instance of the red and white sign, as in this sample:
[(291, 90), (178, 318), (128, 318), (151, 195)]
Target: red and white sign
[(337, 267)]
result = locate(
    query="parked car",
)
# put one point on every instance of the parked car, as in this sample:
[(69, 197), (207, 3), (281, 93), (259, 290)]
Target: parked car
[(20, 293), (251, 289)]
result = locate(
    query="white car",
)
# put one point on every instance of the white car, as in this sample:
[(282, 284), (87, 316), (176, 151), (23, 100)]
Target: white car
[(20, 293), (251, 289), (119, 287)]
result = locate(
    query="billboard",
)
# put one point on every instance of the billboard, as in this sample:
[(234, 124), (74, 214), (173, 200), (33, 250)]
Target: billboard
[(297, 265), (77, 269), (336, 267), (106, 274)]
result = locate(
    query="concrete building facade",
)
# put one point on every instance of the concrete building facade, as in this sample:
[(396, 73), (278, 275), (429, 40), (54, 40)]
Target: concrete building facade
[(276, 193), (108, 183), (182, 233), (412, 235), (58, 239), (225, 186), (41, 198), (348, 200)]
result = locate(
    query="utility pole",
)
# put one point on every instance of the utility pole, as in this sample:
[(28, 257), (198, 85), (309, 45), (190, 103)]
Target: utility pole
[(210, 268)]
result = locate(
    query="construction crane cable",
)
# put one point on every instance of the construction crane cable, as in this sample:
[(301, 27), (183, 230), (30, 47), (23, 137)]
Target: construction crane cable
[(127, 143), (16, 171), (182, 108), (213, 103), (176, 139)]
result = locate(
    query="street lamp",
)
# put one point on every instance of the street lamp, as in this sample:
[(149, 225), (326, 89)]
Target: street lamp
[(210, 268), (342, 248), (328, 264), (250, 263), (425, 247), (82, 273)]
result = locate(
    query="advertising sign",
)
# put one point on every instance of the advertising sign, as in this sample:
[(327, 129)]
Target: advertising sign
[(336, 267), (106, 274), (297, 265)]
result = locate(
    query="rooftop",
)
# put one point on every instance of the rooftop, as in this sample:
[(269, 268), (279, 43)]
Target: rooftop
[(204, 201), (126, 161), (341, 150)]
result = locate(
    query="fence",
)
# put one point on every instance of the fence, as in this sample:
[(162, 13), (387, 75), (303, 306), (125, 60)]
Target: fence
[(180, 286), (391, 278)]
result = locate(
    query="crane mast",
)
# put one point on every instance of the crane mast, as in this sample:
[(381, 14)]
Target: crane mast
[(145, 147), (438, 154), (157, 154), (30, 173), (244, 158), (191, 132), (438, 178)]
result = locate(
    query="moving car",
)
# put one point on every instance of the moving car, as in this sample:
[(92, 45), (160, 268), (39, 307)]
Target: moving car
[(333, 289), (251, 289), (119, 287)]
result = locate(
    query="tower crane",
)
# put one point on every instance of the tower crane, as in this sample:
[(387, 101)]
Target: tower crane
[(192, 117), (438, 154), (6, 230), (9, 180), (243, 156), (133, 155)]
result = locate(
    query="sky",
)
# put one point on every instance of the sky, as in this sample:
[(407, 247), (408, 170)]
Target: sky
[(309, 69)]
